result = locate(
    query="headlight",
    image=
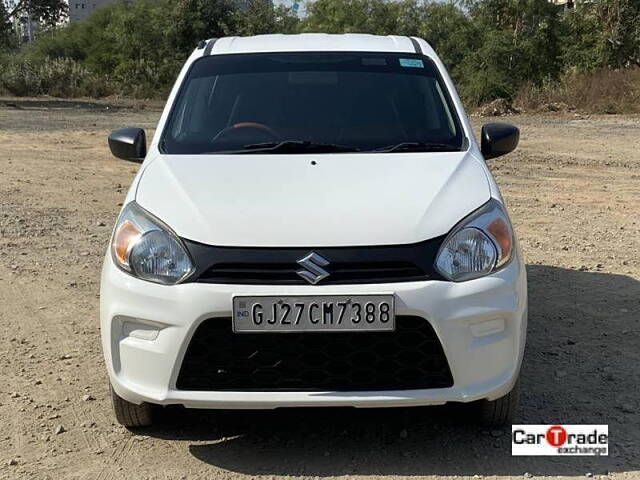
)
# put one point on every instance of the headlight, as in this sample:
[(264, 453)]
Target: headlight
[(480, 244), (146, 248)]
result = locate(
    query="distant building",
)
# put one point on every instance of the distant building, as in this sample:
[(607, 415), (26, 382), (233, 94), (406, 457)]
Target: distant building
[(81, 9)]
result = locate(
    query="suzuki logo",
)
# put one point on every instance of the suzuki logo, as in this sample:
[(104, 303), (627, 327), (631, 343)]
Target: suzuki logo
[(313, 271)]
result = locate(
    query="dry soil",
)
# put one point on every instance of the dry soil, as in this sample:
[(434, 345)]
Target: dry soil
[(573, 189)]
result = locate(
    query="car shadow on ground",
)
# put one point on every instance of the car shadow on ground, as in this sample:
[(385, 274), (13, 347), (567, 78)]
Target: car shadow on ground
[(581, 366)]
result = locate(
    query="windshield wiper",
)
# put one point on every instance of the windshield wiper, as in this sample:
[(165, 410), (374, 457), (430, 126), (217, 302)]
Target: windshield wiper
[(291, 146), (418, 147)]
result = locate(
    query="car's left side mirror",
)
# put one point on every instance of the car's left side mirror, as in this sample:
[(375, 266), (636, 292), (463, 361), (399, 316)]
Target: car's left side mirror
[(498, 139), (128, 144)]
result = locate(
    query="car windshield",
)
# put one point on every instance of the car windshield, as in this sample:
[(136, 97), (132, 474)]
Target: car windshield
[(312, 102)]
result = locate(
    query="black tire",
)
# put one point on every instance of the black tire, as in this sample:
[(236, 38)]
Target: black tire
[(501, 411), (129, 414)]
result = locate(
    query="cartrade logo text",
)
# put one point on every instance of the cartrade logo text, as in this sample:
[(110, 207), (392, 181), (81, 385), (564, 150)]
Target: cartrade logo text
[(560, 440)]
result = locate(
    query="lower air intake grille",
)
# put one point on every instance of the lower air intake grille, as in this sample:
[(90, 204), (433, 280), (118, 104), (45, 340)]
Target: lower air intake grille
[(409, 358)]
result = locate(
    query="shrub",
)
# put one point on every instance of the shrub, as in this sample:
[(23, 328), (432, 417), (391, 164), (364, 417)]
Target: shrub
[(19, 78), (144, 78), (56, 77), (604, 91), (509, 49)]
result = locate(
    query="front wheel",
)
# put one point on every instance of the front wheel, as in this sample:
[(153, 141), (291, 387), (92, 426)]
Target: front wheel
[(129, 414), (501, 411)]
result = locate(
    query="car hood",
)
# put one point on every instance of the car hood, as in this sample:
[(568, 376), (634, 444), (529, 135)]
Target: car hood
[(313, 200)]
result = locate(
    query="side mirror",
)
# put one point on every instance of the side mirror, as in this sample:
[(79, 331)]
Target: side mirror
[(128, 144), (498, 139)]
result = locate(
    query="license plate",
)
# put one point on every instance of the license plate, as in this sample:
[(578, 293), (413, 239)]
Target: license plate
[(314, 313)]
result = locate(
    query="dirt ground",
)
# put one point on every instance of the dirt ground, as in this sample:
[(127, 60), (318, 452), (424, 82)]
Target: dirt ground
[(573, 189)]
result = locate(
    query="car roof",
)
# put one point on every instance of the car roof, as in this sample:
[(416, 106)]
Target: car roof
[(319, 42)]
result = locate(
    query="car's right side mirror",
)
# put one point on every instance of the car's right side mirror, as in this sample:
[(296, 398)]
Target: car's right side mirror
[(128, 144), (498, 139)]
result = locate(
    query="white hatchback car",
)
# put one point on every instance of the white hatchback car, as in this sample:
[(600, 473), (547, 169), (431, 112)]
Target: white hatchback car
[(313, 225)]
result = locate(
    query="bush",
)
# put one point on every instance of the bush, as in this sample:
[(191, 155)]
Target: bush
[(604, 91), (144, 78), (134, 49), (509, 49), (57, 77), (356, 16)]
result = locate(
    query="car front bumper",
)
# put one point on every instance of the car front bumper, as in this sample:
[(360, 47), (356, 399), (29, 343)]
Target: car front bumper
[(146, 329)]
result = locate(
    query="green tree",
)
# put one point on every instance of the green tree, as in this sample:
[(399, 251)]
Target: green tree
[(195, 20), (49, 12), (6, 34), (287, 20), (127, 44), (603, 33), (354, 16), (491, 47), (261, 17), (450, 32), (519, 43)]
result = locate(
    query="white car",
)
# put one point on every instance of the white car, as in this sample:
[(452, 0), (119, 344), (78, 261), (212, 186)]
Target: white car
[(313, 224)]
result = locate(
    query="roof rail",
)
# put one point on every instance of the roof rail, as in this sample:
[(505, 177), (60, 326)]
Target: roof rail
[(207, 45), (416, 46)]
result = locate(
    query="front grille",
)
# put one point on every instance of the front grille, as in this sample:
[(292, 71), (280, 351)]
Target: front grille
[(341, 273), (347, 265), (411, 357)]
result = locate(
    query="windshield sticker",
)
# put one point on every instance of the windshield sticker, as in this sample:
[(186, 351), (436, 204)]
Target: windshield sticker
[(411, 62)]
